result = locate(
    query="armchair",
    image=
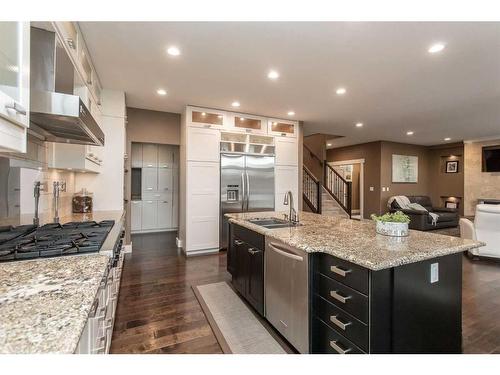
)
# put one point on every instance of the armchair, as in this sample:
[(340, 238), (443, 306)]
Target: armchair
[(485, 228)]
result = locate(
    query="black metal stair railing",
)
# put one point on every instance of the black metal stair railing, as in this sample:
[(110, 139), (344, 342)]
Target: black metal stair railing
[(338, 188)]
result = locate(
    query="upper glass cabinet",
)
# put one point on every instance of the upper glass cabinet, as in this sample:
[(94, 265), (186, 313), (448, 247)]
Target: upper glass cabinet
[(247, 123), (283, 128), (206, 118)]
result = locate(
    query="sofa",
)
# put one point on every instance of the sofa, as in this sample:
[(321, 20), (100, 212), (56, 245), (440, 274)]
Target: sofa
[(421, 220), (485, 228)]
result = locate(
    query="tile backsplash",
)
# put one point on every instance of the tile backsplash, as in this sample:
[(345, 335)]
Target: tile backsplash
[(17, 182)]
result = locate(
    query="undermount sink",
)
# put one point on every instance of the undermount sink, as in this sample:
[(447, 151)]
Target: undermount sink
[(272, 223)]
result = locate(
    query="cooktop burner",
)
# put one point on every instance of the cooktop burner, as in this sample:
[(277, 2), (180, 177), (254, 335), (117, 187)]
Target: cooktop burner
[(28, 242)]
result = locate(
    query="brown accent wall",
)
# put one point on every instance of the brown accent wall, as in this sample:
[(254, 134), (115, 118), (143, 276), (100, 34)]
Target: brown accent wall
[(419, 188), (371, 152), (432, 179), (315, 154), (446, 186)]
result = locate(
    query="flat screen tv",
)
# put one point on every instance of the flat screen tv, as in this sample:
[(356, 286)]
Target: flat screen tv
[(491, 159)]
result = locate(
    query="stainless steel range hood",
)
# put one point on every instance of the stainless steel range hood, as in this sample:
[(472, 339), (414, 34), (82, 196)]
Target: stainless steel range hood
[(55, 112)]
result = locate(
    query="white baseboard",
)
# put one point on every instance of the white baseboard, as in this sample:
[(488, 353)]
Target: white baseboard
[(194, 253)]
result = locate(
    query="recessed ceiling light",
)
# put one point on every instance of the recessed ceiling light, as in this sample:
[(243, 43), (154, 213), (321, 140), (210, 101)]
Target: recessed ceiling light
[(161, 92), (409, 133), (173, 51), (235, 104), (291, 113), (435, 48), (273, 74), (447, 139), (359, 125), (328, 144), (341, 91)]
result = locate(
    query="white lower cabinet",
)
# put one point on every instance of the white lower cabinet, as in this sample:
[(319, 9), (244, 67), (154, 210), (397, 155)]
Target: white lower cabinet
[(285, 178), (149, 179), (165, 214), (202, 210), (149, 215), (136, 216)]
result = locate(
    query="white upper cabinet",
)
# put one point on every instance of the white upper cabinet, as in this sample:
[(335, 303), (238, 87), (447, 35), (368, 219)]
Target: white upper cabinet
[(149, 179), (206, 118), (287, 152), (240, 122), (149, 155), (165, 156), (203, 144), (14, 85), (283, 128), (80, 158), (75, 45), (136, 155)]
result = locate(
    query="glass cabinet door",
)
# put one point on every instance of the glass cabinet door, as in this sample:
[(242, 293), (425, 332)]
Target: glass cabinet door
[(282, 127), (206, 118), (14, 68), (247, 123)]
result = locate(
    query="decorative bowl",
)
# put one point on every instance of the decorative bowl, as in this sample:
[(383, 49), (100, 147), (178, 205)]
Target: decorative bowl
[(392, 229)]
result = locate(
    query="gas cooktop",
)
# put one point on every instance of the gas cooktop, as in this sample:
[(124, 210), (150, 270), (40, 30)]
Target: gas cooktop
[(51, 240)]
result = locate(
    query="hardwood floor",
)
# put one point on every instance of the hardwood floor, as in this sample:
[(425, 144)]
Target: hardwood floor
[(158, 313)]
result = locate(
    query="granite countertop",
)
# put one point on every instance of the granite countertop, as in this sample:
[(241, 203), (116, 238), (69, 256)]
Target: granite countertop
[(45, 303), (356, 241)]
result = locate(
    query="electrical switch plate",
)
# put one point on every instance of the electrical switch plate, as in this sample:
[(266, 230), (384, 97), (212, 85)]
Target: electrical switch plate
[(434, 273), (372, 188)]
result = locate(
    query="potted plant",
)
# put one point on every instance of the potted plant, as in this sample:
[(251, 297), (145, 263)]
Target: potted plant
[(392, 224)]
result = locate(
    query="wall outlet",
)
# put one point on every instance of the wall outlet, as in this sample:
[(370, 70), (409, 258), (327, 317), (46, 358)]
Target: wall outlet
[(434, 273), (372, 188)]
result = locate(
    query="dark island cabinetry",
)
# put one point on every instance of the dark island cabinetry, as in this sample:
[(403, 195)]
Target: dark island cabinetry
[(414, 308), (245, 262)]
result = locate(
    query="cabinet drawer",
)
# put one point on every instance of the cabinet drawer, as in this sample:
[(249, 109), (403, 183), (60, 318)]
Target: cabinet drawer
[(248, 236), (342, 322), (326, 341), (347, 273), (342, 296)]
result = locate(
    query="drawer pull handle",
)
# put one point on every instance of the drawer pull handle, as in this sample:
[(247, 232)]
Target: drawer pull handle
[(339, 297), (339, 323), (338, 349), (238, 242), (339, 271), (253, 251)]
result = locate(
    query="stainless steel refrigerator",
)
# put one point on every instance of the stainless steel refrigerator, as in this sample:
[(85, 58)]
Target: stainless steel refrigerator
[(247, 185)]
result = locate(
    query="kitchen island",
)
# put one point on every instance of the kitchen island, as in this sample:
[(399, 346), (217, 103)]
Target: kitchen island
[(364, 293)]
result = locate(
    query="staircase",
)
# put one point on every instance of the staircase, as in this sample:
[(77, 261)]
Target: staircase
[(329, 206), (329, 195)]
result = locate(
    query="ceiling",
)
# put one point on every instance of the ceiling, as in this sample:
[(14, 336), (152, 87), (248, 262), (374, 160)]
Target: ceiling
[(393, 84)]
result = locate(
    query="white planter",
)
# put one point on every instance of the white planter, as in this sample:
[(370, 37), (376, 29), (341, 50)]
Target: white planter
[(392, 229)]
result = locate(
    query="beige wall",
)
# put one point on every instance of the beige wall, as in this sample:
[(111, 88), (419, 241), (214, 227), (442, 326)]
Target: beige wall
[(478, 184), (153, 126)]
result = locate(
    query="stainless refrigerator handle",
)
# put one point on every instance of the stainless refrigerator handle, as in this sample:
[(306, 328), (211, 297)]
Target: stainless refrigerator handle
[(248, 189), (242, 193)]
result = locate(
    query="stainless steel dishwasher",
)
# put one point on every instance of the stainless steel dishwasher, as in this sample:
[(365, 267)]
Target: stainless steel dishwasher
[(287, 292)]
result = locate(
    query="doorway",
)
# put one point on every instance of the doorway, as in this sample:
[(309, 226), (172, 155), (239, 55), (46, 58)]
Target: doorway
[(353, 171)]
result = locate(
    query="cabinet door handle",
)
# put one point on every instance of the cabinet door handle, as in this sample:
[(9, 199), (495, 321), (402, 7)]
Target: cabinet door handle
[(339, 271), (338, 349), (238, 242), (15, 106), (253, 251), (339, 297), (339, 323)]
